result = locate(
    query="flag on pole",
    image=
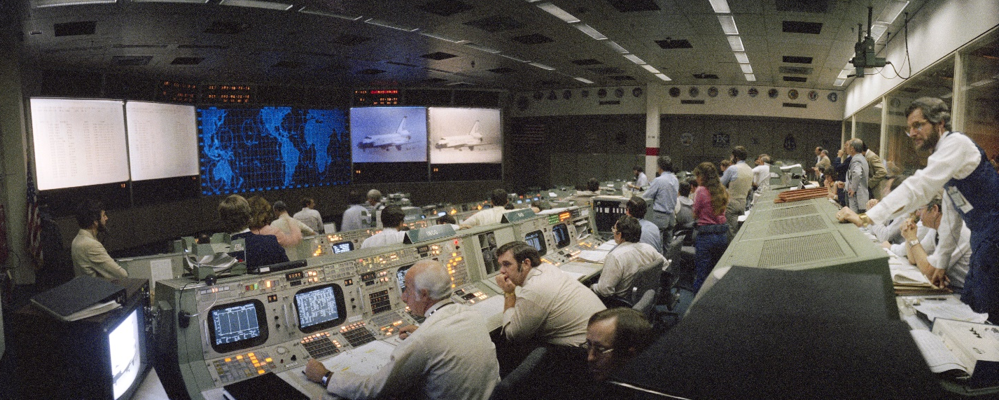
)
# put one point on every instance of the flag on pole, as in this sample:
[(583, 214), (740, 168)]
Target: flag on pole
[(34, 230)]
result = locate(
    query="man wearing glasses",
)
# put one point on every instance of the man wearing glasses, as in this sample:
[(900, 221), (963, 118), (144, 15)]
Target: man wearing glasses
[(960, 169), (613, 337)]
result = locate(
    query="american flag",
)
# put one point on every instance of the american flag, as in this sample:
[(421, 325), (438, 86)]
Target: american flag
[(34, 231)]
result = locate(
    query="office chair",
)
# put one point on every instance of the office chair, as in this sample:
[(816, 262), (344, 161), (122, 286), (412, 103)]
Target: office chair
[(647, 278), (512, 386)]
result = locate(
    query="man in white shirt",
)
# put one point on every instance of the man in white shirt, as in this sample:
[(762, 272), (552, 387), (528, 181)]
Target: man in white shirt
[(762, 170), (641, 180), (450, 356), (490, 216), (392, 234), (357, 216), (739, 180), (622, 264), (550, 306), (310, 216), (961, 169), (284, 222), (88, 254), (922, 253)]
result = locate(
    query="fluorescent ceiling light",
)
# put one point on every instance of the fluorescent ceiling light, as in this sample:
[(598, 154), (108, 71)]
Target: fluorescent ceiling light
[(877, 30), (746, 68), (267, 5), (839, 82), (304, 11), (519, 60), (728, 24), (533, 1), (663, 77), (56, 3), (634, 59), (741, 57), (892, 11), (558, 12), (947, 96), (751, 77), (172, 1), (386, 24), (720, 6), (589, 31), (736, 43), (844, 74), (438, 37), (482, 48), (983, 82), (542, 66), (617, 47), (650, 69), (584, 80)]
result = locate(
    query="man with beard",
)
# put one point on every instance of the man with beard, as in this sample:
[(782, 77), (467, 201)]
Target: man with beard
[(960, 170), (89, 255)]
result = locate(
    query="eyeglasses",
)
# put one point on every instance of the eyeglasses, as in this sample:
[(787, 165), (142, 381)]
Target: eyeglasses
[(599, 349), (915, 127)]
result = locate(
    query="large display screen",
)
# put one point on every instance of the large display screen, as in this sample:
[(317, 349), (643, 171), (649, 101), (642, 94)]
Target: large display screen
[(464, 136), (78, 142), (388, 134), (162, 140), (237, 325), (320, 307), (266, 148)]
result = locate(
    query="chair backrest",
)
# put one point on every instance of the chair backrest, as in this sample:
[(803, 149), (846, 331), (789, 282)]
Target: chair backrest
[(511, 387), (646, 303), (673, 249), (647, 279)]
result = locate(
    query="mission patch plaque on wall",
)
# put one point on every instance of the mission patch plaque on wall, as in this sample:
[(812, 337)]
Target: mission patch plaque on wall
[(790, 143), (773, 93), (792, 94), (753, 92), (712, 91), (686, 139), (693, 91), (832, 97), (812, 95), (733, 91), (674, 91), (721, 140)]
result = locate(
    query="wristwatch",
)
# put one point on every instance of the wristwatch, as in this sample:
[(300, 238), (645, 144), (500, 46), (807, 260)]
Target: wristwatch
[(913, 242)]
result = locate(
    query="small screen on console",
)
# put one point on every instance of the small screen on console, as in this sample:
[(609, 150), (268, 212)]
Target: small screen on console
[(238, 325), (537, 240), (561, 234), (401, 276), (320, 307), (341, 247)]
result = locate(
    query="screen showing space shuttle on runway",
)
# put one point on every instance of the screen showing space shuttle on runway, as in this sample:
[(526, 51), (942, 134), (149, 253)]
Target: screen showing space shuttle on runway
[(388, 134), (464, 136)]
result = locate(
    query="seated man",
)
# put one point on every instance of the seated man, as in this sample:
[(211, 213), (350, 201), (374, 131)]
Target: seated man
[(685, 208), (89, 255), (613, 337), (490, 216), (621, 267), (637, 207), (392, 234), (585, 197), (942, 271), (551, 306), (235, 214), (450, 356)]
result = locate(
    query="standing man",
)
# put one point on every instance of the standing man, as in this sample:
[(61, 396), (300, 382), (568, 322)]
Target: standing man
[(450, 356), (961, 169), (821, 161), (641, 180), (550, 307), (636, 207), (356, 216), (739, 180), (283, 223), (89, 255), (375, 207), (762, 170), (309, 215), (490, 216), (663, 191), (876, 171), (623, 263), (856, 177), (392, 233)]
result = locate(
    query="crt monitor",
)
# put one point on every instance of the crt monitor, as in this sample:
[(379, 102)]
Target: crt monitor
[(561, 235), (537, 240), (342, 247), (125, 347), (401, 276), (237, 326), (320, 307)]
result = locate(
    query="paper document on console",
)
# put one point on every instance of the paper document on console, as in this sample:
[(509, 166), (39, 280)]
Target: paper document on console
[(593, 256), (364, 360), (937, 356), (959, 311), (607, 246)]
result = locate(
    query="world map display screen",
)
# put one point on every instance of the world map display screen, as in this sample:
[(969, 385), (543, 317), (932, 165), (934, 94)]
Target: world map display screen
[(268, 148)]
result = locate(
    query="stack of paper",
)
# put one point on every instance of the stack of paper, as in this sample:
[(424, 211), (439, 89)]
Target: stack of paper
[(908, 280)]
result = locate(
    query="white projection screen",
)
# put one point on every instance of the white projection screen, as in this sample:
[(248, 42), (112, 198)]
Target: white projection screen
[(78, 142), (162, 140), (464, 135)]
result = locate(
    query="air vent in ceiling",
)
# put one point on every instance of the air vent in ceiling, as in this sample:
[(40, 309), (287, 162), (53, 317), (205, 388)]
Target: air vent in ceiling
[(139, 46), (795, 70), (227, 27), (532, 39), (795, 79), (588, 61), (497, 23), (802, 6), (187, 61), (623, 78), (438, 56), (705, 76), (349, 40), (627, 6), (402, 64), (131, 60), (287, 64), (814, 28), (371, 71), (213, 47), (606, 70), (445, 8), (796, 105), (75, 28), (502, 70), (797, 59), (691, 101), (674, 44)]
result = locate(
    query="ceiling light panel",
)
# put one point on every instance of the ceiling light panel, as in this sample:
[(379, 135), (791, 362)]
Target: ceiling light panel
[(720, 6), (736, 43), (446, 39), (839, 82), (386, 24), (617, 47), (728, 24), (558, 12), (589, 31), (267, 5), (584, 80), (892, 11), (651, 69), (542, 66), (172, 1), (741, 57), (482, 48), (519, 60), (746, 68), (634, 59), (663, 77), (57, 3), (751, 77), (304, 10)]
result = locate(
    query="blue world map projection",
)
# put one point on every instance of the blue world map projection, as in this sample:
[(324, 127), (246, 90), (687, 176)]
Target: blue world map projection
[(267, 148)]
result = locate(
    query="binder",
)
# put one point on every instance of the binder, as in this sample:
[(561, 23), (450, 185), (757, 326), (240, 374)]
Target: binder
[(72, 299)]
